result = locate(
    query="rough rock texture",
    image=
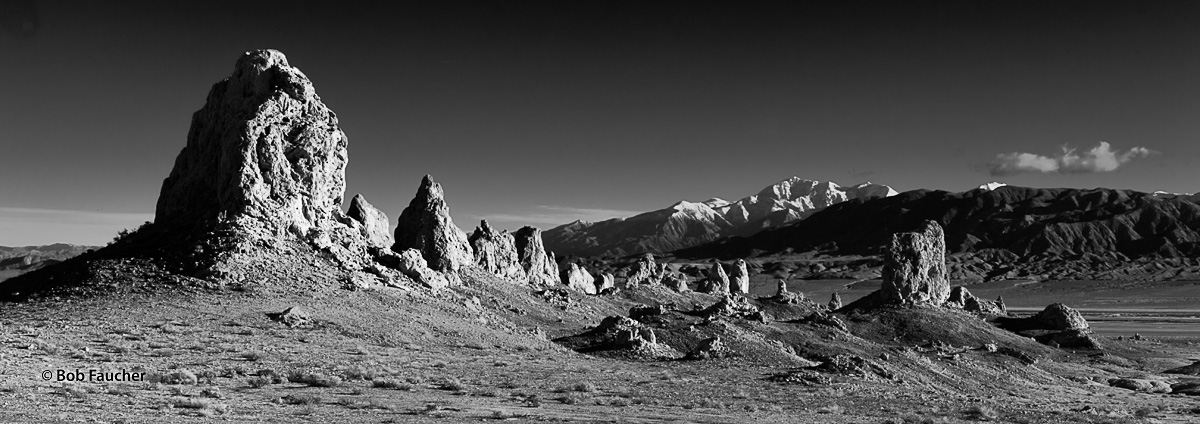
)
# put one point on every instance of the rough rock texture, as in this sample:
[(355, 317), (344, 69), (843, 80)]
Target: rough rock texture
[(675, 282), (739, 278), (958, 297), (1141, 385), (710, 348), (644, 271), (606, 282), (425, 225), (496, 252), (782, 295), (1193, 369), (291, 317), (914, 268), (732, 307), (578, 278), (411, 263), (826, 319), (718, 281), (986, 307), (264, 156), (372, 222), (622, 337), (538, 264), (835, 302), (1059, 317)]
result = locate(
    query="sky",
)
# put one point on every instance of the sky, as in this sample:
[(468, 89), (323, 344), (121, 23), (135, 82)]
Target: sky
[(540, 113)]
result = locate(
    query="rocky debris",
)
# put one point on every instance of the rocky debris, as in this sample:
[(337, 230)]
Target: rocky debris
[(642, 311), (958, 297), (294, 316), (825, 319), (412, 264), (1193, 369), (1059, 317), (739, 278), (538, 264), (914, 267), (579, 279), (961, 298), (782, 295), (675, 282), (606, 282), (425, 225), (496, 252), (621, 336), (264, 157), (358, 280), (644, 271), (710, 348), (1141, 385), (717, 281), (1020, 355), (835, 302), (372, 222), (732, 306), (853, 365)]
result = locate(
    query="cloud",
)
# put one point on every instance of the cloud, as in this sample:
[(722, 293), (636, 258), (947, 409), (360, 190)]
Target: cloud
[(1101, 158), (546, 215)]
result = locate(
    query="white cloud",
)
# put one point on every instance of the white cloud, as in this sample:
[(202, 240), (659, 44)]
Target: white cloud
[(1101, 158)]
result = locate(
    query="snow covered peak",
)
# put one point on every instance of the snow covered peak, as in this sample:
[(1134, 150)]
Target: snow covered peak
[(992, 186), (716, 202)]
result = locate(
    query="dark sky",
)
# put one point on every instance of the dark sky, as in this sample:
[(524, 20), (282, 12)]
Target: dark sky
[(544, 112)]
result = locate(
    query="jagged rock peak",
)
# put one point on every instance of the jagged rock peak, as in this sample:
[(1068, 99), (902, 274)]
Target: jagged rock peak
[(914, 267), (496, 252), (425, 225), (538, 264), (264, 156), (739, 278), (374, 223)]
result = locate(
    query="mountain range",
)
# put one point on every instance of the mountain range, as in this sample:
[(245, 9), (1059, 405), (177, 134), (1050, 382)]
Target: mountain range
[(1031, 223), (15, 261), (686, 224)]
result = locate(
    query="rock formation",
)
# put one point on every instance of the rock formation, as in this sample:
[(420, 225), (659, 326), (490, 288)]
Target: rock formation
[(1059, 317), (425, 225), (835, 302), (718, 281), (710, 348), (1058, 325), (914, 268), (578, 278), (538, 264), (606, 282), (739, 278), (675, 282), (644, 271), (412, 264), (496, 252), (264, 157), (372, 222)]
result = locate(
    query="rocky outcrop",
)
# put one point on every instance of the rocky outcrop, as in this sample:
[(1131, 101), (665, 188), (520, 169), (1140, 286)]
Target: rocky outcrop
[(739, 278), (496, 252), (782, 295), (264, 157), (1058, 325), (606, 282), (1059, 317), (425, 225), (371, 222), (644, 271), (623, 337), (733, 307), (412, 264), (914, 268), (675, 282), (710, 348), (835, 302), (538, 264), (579, 279), (717, 281)]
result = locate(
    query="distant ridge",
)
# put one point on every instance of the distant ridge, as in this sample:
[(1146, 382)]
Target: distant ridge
[(685, 224)]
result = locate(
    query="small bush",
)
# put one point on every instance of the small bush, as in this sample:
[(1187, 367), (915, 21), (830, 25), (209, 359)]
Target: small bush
[(452, 384), (175, 377), (360, 373), (983, 413), (302, 399), (831, 409), (586, 387), (392, 384), (258, 382), (314, 380)]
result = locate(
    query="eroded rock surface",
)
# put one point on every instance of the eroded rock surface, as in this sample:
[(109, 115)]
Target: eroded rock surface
[(835, 302), (914, 268), (372, 222), (644, 271), (496, 252), (425, 225), (739, 278), (718, 281), (579, 279), (538, 264)]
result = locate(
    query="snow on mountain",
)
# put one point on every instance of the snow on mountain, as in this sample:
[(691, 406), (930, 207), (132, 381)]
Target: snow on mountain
[(991, 186)]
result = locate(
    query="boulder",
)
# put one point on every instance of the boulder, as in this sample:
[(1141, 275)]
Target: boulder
[(644, 271), (606, 282), (1059, 317), (579, 279), (732, 307), (425, 225), (372, 222), (958, 297), (1141, 385), (642, 311), (984, 306), (835, 302), (496, 252), (782, 295), (739, 278), (264, 157), (294, 316), (412, 264), (538, 264), (710, 348), (914, 268), (675, 282), (718, 281)]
